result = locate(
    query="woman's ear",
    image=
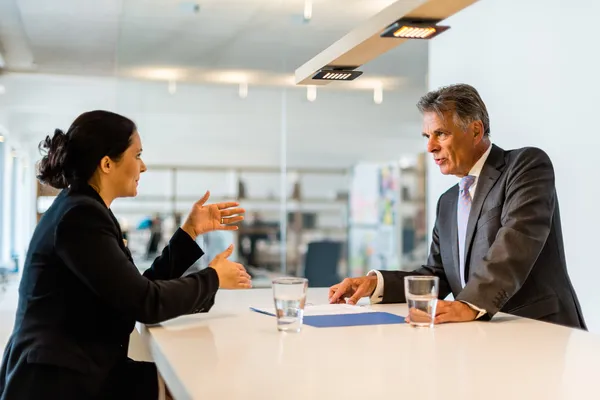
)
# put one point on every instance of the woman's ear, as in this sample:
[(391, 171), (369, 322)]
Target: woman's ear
[(106, 164)]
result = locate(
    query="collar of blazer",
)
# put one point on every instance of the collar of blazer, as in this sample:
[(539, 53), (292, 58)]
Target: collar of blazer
[(87, 190)]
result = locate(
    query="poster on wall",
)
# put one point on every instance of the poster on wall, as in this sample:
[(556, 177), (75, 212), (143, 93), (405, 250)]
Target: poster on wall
[(373, 236), (364, 195), (363, 244), (388, 203)]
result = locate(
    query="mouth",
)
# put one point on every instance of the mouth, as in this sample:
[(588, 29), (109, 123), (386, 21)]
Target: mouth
[(439, 161)]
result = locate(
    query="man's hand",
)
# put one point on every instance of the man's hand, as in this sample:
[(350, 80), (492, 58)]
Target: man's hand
[(453, 311), (355, 288)]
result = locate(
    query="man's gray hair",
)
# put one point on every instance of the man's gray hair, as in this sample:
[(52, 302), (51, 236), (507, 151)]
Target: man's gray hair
[(462, 100)]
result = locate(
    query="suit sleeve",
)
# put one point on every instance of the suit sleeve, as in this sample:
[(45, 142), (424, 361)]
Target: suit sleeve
[(177, 256), (393, 291), (526, 221), (87, 243)]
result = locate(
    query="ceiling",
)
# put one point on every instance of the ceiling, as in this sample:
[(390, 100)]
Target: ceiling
[(260, 42)]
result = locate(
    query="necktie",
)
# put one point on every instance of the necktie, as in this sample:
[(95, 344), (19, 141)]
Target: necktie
[(464, 208)]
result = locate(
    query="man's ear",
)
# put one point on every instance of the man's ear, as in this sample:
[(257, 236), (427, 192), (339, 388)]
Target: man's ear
[(106, 164), (477, 130)]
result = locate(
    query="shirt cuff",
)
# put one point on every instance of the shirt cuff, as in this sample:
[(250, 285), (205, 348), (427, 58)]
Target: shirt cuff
[(482, 312), (377, 295)]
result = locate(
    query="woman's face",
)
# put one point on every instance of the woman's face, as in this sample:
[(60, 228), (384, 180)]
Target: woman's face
[(127, 170)]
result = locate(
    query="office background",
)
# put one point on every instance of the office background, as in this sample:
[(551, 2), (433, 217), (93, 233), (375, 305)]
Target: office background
[(212, 96)]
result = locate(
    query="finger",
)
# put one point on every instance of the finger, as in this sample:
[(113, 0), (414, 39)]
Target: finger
[(361, 292), (204, 198), (228, 204), (341, 290), (227, 252), (228, 228), (245, 281), (443, 318), (231, 220), (232, 211), (245, 275), (443, 306), (332, 290)]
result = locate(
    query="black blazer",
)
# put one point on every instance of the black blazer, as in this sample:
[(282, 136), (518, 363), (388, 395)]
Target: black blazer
[(80, 295), (515, 258)]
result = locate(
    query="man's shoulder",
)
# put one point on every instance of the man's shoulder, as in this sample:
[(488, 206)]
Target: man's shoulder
[(526, 155)]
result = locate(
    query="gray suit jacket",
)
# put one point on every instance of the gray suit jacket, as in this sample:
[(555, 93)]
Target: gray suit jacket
[(515, 259)]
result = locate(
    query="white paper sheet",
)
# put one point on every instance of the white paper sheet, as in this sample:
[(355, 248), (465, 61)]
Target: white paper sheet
[(322, 309)]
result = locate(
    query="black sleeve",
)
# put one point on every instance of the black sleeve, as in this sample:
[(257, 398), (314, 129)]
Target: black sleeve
[(87, 242), (177, 256)]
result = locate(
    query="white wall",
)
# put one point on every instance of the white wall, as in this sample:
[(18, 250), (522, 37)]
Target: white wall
[(541, 87)]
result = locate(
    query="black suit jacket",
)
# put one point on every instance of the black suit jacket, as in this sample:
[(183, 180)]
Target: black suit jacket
[(80, 294), (515, 259)]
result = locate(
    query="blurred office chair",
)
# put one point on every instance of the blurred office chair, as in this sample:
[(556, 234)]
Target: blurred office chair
[(321, 263)]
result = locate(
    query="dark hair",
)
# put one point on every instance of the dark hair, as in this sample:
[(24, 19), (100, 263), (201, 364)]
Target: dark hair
[(461, 99), (73, 157)]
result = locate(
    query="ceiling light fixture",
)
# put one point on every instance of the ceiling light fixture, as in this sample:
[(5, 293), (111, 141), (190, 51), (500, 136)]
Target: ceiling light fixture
[(243, 92), (337, 74), (378, 95), (307, 10), (311, 93), (172, 86), (414, 29)]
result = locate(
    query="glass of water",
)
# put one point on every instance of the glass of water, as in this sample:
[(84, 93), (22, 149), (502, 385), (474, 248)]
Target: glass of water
[(289, 295), (421, 297)]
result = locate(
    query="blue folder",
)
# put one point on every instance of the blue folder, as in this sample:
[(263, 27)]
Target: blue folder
[(338, 320)]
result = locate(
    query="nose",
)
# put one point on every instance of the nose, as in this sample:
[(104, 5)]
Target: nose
[(432, 145), (144, 169)]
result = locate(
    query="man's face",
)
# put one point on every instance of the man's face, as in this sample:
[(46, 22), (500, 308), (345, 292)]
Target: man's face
[(453, 148)]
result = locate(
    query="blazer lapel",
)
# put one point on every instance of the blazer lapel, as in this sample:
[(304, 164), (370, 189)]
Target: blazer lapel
[(454, 239), (489, 175)]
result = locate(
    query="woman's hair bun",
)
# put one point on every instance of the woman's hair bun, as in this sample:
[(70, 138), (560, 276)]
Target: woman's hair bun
[(51, 168)]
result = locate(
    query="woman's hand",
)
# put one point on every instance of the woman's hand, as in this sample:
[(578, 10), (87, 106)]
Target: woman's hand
[(231, 274), (212, 217)]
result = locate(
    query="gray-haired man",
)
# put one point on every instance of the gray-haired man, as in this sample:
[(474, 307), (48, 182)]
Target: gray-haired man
[(497, 242)]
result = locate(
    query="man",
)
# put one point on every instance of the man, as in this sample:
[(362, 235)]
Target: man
[(497, 241)]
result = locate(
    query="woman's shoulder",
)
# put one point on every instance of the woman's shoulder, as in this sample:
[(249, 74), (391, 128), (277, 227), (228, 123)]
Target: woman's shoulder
[(73, 206)]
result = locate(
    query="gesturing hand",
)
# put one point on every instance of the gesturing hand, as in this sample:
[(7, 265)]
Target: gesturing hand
[(231, 274), (212, 217)]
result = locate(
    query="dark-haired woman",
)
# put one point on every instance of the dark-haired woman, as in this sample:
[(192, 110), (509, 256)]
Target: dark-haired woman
[(80, 293)]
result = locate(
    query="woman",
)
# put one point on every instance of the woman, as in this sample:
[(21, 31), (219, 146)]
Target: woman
[(81, 294)]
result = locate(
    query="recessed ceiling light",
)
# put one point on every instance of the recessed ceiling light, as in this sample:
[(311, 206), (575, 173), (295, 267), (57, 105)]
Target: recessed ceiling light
[(414, 29), (337, 74)]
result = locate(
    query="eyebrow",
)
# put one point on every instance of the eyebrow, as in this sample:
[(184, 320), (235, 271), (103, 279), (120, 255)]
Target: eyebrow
[(437, 131)]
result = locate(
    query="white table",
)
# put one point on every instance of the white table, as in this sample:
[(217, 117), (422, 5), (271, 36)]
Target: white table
[(234, 353)]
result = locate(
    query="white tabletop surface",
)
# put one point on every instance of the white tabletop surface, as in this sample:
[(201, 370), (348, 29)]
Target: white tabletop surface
[(234, 353)]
